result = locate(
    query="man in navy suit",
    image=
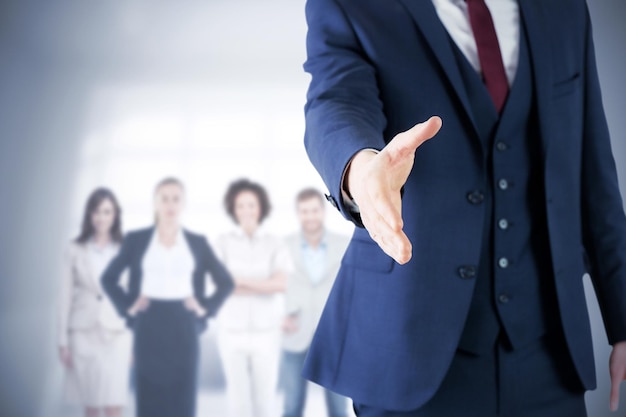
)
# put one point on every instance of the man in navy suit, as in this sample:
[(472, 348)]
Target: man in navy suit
[(461, 291)]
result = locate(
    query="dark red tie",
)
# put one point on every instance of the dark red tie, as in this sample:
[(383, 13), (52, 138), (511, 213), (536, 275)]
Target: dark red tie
[(489, 54)]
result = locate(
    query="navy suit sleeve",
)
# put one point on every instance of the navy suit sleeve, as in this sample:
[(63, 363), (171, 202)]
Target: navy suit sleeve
[(221, 277), (111, 279), (604, 223), (343, 112)]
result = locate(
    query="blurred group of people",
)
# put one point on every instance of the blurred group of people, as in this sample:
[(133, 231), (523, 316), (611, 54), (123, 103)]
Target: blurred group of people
[(142, 298)]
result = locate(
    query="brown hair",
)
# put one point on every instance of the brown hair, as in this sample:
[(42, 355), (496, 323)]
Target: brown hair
[(308, 193), (94, 200), (237, 187)]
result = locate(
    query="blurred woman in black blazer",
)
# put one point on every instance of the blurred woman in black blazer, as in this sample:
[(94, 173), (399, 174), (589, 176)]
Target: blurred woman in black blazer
[(166, 304)]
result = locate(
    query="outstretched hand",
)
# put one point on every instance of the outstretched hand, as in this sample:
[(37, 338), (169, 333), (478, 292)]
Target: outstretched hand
[(375, 180)]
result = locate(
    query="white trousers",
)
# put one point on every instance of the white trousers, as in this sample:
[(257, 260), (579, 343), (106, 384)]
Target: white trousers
[(250, 361)]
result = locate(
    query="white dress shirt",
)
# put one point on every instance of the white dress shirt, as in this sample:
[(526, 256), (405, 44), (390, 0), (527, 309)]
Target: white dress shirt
[(506, 20), (256, 257), (167, 272)]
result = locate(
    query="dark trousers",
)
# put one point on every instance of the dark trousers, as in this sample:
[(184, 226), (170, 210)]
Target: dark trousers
[(538, 380), (166, 352)]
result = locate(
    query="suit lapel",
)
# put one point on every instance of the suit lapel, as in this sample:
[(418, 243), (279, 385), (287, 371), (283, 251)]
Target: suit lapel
[(193, 248), (333, 253), (537, 33), (296, 250), (335, 250), (142, 243), (428, 23)]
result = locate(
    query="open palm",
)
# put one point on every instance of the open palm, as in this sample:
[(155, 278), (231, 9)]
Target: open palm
[(375, 181)]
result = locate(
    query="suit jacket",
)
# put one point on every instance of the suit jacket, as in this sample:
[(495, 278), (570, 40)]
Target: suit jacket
[(305, 298), (131, 256), (82, 304), (389, 332)]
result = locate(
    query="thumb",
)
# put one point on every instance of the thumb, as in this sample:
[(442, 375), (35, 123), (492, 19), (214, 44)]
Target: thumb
[(405, 143)]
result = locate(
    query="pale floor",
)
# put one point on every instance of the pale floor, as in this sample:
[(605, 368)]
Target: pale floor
[(213, 404)]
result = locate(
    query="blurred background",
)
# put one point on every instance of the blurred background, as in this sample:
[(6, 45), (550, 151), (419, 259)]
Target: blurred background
[(122, 93)]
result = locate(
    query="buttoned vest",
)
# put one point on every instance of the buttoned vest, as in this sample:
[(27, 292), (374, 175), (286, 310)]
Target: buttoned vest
[(514, 295)]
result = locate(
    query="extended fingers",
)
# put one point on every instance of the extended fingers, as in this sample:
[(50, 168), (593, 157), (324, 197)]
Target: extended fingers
[(382, 217), (617, 370), (407, 142), (393, 242), (618, 374), (387, 204), (614, 399)]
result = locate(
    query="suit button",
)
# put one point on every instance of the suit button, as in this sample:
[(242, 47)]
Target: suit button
[(503, 263), (332, 201), (501, 146), (503, 184), (99, 297), (467, 272), (503, 224), (475, 197), (503, 298)]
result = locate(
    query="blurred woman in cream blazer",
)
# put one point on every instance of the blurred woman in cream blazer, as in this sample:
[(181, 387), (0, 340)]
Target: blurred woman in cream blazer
[(94, 343), (248, 337)]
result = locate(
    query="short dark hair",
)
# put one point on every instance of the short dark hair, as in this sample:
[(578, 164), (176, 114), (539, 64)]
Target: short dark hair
[(94, 200), (237, 187), (308, 193)]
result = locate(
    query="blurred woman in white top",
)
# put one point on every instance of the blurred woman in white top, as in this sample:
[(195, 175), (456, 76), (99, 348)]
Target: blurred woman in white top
[(94, 344), (249, 322)]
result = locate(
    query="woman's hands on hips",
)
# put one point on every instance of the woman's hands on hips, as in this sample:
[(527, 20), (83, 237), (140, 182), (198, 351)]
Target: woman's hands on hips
[(192, 304), (141, 304)]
